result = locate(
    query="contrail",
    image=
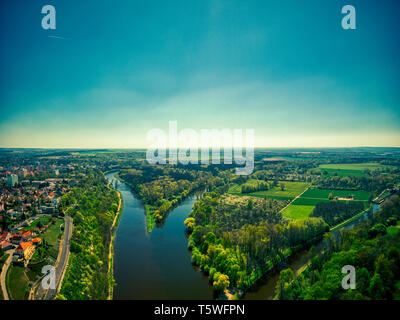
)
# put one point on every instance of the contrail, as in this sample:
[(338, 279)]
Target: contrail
[(58, 37)]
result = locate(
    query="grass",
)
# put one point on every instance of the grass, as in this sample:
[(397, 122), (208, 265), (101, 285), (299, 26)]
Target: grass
[(43, 220), (324, 194), (353, 166), (303, 206), (51, 236), (350, 169), (297, 211), (308, 201), (291, 190), (52, 233), (17, 282), (150, 221)]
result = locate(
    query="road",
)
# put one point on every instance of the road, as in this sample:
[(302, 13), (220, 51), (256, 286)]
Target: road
[(61, 263), (4, 273)]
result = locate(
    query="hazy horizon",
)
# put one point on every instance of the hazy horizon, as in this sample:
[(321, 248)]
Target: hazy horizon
[(109, 73)]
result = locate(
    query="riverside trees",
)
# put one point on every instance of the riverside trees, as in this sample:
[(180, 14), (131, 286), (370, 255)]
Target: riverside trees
[(236, 245)]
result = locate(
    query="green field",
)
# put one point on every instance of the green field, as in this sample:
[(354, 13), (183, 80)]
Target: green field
[(297, 211), (324, 194), (303, 206), (42, 220), (291, 190), (51, 236), (17, 282), (350, 169)]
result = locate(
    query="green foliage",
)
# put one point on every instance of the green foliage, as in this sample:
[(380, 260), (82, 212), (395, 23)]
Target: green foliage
[(243, 238), (374, 253), (335, 212), (96, 206)]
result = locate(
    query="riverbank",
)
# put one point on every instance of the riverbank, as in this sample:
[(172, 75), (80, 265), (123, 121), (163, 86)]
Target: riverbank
[(150, 221), (157, 265), (113, 229), (346, 222)]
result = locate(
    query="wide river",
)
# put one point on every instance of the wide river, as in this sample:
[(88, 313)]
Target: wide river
[(158, 265)]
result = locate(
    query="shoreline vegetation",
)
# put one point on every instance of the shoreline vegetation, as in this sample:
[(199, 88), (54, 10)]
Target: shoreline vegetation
[(235, 293), (150, 222), (88, 272), (113, 230), (372, 247), (162, 191)]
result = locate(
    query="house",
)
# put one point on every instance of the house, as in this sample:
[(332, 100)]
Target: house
[(36, 241), (5, 236), (24, 251), (5, 245), (26, 235)]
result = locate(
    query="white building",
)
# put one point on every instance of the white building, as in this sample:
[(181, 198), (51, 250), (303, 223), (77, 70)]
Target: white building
[(12, 180)]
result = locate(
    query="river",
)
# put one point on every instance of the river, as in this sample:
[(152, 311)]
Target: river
[(157, 266)]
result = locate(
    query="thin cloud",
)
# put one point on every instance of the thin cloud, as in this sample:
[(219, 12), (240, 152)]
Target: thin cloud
[(58, 37)]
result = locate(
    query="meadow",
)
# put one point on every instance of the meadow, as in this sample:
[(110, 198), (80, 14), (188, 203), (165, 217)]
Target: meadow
[(303, 206), (324, 194), (291, 190), (349, 169), (297, 211)]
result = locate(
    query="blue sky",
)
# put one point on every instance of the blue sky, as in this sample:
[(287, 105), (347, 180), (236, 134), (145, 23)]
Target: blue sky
[(112, 70)]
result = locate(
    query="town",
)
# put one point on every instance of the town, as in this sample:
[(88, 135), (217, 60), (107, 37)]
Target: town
[(32, 216)]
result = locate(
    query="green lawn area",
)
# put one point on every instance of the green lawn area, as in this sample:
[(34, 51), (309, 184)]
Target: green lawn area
[(324, 194), (297, 211), (17, 282), (51, 236), (291, 190), (349, 169), (43, 220)]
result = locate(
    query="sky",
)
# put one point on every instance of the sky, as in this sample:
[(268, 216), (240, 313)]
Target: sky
[(113, 70)]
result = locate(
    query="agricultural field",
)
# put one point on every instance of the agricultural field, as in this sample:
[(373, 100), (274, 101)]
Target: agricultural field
[(350, 169), (297, 211), (324, 194), (291, 190), (303, 206)]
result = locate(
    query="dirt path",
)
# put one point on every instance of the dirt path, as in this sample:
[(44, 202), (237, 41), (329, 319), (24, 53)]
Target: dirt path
[(3, 275), (110, 250), (280, 211)]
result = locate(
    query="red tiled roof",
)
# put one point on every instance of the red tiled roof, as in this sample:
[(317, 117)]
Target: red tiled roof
[(26, 233), (24, 245)]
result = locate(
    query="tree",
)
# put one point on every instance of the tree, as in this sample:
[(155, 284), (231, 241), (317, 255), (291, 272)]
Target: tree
[(282, 186), (250, 204), (221, 281), (190, 223)]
